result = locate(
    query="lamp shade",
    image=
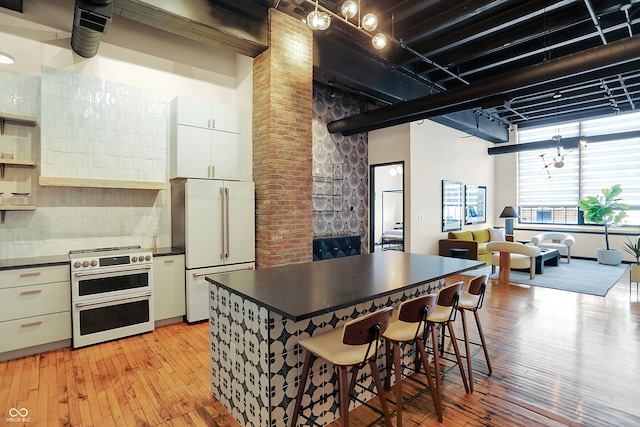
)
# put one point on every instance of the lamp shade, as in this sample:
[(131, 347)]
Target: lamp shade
[(509, 212)]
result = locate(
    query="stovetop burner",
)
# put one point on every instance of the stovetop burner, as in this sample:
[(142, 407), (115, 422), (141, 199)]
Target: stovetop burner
[(113, 249)]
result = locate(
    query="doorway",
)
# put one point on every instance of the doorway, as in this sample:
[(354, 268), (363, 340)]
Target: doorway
[(387, 207)]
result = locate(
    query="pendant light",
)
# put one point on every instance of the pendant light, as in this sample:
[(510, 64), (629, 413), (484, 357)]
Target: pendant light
[(321, 20), (318, 20)]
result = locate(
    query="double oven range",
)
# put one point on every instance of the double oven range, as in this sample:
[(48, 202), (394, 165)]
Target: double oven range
[(111, 293)]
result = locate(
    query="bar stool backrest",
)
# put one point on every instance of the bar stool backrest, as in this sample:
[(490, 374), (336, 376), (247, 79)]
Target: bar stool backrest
[(478, 284), (417, 309), (367, 328), (449, 297)]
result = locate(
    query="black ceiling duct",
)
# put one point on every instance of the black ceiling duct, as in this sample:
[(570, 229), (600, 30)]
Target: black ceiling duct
[(91, 19)]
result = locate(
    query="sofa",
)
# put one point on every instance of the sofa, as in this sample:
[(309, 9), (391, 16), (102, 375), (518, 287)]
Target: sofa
[(475, 241)]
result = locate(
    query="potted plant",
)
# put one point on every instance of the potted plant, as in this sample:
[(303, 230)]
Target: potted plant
[(633, 248), (605, 209)]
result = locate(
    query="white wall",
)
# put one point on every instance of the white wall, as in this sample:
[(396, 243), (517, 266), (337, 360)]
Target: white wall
[(433, 152), (131, 54)]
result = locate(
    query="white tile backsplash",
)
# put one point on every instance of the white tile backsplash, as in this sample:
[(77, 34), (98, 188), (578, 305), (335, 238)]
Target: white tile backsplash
[(103, 123), (74, 218)]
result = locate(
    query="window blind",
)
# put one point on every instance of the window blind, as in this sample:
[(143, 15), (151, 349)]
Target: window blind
[(586, 171)]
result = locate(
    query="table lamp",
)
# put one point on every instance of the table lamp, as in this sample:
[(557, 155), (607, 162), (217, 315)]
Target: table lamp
[(509, 213)]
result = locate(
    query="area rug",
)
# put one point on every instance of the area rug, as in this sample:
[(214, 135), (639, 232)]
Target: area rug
[(582, 276)]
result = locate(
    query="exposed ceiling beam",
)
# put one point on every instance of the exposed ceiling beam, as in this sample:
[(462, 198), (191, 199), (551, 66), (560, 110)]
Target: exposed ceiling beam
[(565, 143), (526, 79), (15, 5)]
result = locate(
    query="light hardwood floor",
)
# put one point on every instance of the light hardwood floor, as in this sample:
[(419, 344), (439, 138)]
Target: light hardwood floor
[(559, 359)]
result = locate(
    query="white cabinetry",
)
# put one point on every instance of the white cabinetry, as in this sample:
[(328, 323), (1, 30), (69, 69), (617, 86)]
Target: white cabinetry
[(36, 310), (206, 141), (168, 287)]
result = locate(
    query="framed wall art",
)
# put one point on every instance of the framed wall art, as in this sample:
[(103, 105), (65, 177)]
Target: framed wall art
[(451, 205), (475, 204)]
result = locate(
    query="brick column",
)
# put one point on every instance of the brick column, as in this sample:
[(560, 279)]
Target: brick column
[(282, 111)]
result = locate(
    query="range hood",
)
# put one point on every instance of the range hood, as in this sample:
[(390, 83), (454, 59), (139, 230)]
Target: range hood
[(91, 19)]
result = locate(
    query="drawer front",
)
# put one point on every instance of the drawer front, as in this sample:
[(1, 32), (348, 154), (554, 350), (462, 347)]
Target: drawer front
[(34, 331), (34, 276), (35, 300)]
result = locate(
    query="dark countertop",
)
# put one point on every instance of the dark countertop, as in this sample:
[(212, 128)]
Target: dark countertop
[(302, 291), (39, 261), (51, 260)]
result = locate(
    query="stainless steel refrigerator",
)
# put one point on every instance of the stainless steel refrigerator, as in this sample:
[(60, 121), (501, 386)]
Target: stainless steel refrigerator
[(214, 222)]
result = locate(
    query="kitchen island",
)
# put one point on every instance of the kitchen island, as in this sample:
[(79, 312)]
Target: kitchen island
[(258, 316)]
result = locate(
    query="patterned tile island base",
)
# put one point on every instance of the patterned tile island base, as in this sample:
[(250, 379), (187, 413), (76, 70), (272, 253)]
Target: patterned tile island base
[(256, 360)]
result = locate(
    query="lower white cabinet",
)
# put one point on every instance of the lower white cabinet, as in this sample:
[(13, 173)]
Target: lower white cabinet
[(36, 308), (168, 287)]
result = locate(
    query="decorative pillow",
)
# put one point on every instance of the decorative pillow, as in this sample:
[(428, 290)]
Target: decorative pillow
[(497, 234)]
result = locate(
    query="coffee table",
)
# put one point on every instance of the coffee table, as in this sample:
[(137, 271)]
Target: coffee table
[(547, 257)]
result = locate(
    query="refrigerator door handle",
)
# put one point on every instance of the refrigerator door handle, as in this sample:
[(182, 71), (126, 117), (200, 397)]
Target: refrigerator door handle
[(226, 222), (223, 221)]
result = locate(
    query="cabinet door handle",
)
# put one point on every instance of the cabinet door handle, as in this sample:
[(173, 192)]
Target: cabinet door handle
[(169, 261), (28, 325), (33, 274), (213, 123), (213, 171), (32, 292)]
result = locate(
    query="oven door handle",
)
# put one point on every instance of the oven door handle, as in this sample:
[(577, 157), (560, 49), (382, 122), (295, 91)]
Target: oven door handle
[(105, 273), (89, 304)]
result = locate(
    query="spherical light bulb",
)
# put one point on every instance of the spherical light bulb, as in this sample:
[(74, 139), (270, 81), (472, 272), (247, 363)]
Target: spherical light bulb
[(318, 20), (379, 41), (370, 22), (349, 9), (393, 172)]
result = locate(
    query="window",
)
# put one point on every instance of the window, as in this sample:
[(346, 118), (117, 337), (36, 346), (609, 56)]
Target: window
[(547, 194)]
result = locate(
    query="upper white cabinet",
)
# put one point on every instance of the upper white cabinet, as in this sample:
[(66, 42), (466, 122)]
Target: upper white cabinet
[(204, 114), (206, 141)]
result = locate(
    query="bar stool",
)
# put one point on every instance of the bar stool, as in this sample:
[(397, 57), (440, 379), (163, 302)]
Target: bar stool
[(352, 346), (411, 327), (443, 315), (471, 300)]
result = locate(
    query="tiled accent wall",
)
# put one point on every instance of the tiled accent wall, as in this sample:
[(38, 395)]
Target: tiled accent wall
[(282, 98), (94, 128), (256, 361), (340, 168), (66, 217)]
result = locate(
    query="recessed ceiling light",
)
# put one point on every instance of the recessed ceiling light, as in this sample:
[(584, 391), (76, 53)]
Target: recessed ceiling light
[(5, 58)]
